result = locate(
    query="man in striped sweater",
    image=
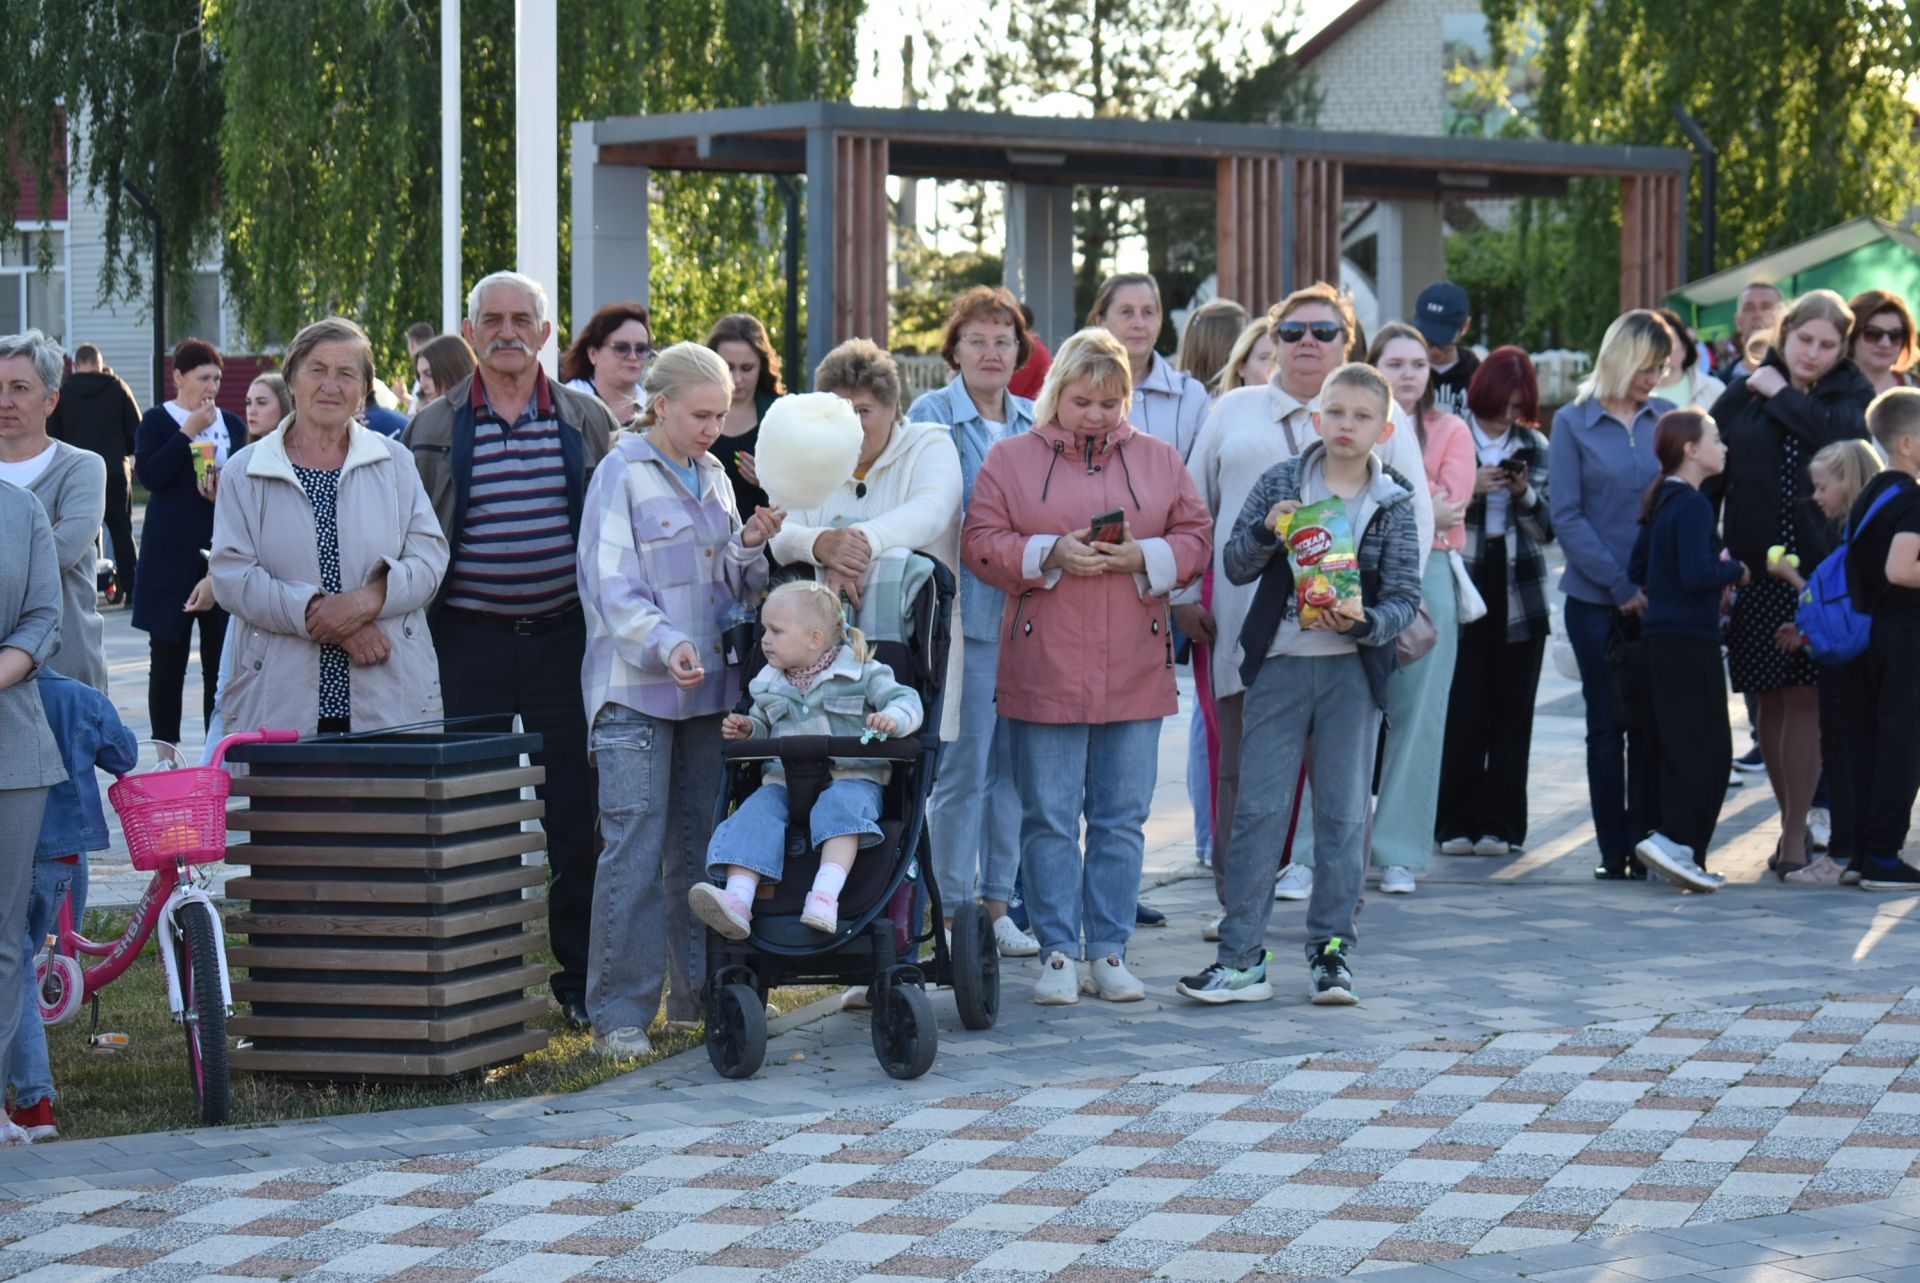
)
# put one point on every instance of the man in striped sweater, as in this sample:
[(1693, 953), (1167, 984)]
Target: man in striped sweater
[(505, 457)]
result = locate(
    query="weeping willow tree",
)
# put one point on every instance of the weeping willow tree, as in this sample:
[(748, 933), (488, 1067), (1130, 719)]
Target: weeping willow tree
[(303, 140)]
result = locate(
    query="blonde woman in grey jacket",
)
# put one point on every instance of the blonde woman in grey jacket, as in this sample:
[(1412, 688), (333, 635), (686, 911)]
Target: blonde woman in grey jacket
[(327, 553)]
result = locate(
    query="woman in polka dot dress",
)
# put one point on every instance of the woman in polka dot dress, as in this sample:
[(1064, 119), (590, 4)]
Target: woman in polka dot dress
[(327, 552), (1806, 394)]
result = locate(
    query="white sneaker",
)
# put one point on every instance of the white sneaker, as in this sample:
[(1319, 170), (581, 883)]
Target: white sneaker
[(1492, 846), (1211, 932), (855, 999), (1059, 983), (1820, 827), (1457, 846), (1665, 856), (1294, 883), (1112, 980), (1395, 880), (624, 1043), (12, 1134), (1012, 941)]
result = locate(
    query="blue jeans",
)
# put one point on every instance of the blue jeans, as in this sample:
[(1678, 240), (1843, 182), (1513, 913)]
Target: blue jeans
[(1616, 758), (29, 1072), (1325, 698), (755, 835), (1106, 774), (973, 817)]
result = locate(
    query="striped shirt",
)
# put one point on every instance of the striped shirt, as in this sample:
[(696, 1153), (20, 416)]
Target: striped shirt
[(515, 554)]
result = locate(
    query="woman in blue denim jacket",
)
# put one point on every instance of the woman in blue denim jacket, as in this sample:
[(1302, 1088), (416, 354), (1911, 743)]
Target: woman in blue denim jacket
[(89, 733), (973, 817)]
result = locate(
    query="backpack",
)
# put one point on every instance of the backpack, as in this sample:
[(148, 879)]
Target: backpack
[(1836, 633)]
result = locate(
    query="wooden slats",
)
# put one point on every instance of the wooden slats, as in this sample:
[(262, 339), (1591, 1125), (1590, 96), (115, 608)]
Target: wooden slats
[(862, 238), (1249, 202), (1651, 209), (442, 927), (429, 993), (443, 789), (1317, 197), (378, 1064), (436, 858), (359, 891), (388, 1029), (407, 961), (429, 824)]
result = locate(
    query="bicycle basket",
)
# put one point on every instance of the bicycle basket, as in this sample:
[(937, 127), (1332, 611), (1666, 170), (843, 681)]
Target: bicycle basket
[(173, 815)]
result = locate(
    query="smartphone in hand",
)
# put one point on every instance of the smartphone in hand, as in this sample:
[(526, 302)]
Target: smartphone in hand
[(1108, 527)]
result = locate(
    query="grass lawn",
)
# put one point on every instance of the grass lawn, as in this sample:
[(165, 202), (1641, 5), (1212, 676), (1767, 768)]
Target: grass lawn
[(144, 1088)]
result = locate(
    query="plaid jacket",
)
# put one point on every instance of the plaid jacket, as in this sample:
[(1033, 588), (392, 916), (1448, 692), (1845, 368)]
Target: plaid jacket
[(659, 566), (836, 704), (1529, 527)]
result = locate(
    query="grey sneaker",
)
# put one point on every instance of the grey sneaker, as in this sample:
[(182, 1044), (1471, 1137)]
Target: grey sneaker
[(1218, 983), (624, 1043), (1332, 979), (1668, 858)]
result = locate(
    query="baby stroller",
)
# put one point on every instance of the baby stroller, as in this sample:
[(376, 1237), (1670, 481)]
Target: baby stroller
[(879, 940)]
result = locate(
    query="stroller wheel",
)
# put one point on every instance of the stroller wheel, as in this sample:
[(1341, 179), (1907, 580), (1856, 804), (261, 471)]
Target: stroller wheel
[(976, 967), (904, 1035), (736, 1030)]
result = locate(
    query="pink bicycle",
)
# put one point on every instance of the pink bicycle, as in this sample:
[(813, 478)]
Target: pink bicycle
[(174, 818)]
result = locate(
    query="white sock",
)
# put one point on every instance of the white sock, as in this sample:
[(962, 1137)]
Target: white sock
[(743, 886), (829, 880)]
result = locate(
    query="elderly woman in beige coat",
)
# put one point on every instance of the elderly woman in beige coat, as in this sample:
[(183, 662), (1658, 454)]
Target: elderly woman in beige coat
[(326, 552)]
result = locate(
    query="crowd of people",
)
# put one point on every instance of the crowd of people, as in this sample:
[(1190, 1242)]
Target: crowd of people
[(1346, 540)]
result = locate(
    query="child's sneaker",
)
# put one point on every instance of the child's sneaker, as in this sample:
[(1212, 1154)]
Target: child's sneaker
[(36, 1120), (726, 913), (1332, 979), (12, 1134), (1220, 983), (1294, 883), (1059, 983), (1112, 980), (856, 998), (821, 912)]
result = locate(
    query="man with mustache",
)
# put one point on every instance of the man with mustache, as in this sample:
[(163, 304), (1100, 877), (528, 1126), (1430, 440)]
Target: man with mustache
[(505, 455)]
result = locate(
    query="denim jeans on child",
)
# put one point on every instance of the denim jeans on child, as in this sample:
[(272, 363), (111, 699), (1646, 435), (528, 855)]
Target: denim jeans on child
[(28, 1071), (973, 817), (755, 835), (1294, 697), (1105, 774), (659, 786)]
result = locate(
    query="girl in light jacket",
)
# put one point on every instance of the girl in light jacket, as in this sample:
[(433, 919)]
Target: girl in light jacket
[(1086, 658), (326, 553)]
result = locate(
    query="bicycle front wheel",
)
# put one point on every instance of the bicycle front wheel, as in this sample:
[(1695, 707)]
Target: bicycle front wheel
[(203, 1014)]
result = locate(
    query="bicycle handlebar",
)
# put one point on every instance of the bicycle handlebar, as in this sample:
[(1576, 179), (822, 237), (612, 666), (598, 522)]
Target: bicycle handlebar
[(261, 736)]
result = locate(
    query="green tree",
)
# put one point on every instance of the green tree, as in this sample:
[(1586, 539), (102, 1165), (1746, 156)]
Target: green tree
[(139, 80), (1804, 99)]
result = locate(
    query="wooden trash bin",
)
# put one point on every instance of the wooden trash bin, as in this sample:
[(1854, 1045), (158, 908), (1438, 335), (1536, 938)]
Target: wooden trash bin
[(387, 930)]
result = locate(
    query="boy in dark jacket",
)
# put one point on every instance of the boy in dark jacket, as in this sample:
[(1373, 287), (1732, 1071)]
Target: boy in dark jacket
[(1324, 680), (90, 734), (1880, 691)]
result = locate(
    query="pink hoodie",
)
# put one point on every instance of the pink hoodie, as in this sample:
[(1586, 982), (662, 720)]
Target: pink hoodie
[(1072, 650)]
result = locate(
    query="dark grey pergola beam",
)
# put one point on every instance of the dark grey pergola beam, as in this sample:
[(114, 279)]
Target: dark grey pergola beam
[(731, 135)]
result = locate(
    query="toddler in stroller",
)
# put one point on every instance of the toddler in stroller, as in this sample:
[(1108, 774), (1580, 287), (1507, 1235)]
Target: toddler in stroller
[(819, 679)]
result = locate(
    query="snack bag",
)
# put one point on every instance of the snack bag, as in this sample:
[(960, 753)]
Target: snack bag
[(1326, 563), (204, 453)]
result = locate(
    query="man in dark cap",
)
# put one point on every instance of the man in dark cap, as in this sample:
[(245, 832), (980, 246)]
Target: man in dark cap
[(1442, 315)]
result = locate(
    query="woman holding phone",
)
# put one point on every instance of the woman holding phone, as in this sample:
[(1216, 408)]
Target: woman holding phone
[(1483, 771), (1087, 524)]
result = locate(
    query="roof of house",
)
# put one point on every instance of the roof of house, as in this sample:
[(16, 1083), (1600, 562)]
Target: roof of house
[(1329, 35), (1789, 261)]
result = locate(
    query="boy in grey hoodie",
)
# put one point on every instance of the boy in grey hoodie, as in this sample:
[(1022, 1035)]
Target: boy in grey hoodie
[(1324, 681)]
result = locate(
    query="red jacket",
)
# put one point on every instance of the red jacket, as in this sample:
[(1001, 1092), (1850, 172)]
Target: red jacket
[(1027, 380), (1085, 651)]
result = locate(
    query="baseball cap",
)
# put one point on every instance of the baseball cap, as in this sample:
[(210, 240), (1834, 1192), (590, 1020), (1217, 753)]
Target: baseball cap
[(1440, 311)]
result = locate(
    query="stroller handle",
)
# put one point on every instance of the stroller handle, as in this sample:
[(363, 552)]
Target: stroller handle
[(805, 748)]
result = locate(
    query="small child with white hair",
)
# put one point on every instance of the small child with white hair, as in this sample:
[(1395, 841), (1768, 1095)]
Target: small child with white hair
[(820, 679)]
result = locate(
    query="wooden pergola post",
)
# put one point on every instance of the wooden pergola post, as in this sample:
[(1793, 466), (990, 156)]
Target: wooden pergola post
[(1318, 190), (1250, 248), (849, 242), (1651, 209)]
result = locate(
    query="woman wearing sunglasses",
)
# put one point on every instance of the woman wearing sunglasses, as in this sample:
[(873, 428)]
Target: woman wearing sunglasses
[(1883, 340), (1250, 430), (609, 359)]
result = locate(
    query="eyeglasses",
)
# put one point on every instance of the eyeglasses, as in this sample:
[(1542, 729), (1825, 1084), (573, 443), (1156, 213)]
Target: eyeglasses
[(1322, 331), (1874, 334), (990, 345), (1661, 372), (623, 348)]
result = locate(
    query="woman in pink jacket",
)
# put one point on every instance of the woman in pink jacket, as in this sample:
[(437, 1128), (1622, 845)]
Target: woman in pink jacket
[(1086, 524)]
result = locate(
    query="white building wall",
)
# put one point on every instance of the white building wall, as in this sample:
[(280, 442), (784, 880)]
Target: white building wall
[(121, 329), (1385, 75)]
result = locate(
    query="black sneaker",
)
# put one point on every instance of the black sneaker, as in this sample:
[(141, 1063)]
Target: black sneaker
[(1750, 761), (1332, 984), (1888, 874)]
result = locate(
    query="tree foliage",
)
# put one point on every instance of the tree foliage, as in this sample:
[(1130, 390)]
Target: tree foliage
[(141, 79), (1804, 100), (304, 140)]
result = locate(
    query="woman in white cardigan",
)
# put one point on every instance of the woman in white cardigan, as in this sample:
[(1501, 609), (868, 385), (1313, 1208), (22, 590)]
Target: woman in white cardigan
[(904, 492)]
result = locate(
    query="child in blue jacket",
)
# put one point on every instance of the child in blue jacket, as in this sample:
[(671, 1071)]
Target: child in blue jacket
[(90, 733)]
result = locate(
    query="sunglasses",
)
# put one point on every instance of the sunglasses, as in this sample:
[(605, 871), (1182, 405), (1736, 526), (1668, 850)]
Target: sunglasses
[(1322, 331), (625, 349), (1874, 334)]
